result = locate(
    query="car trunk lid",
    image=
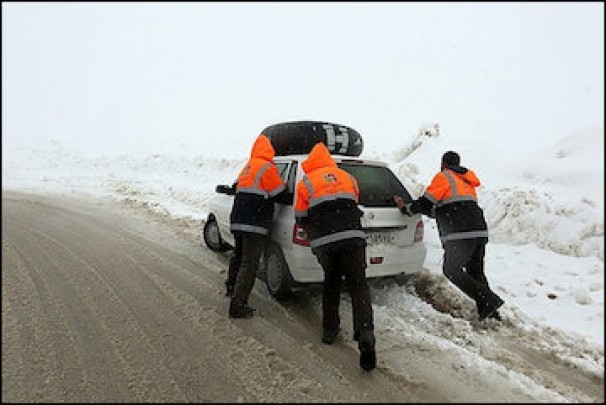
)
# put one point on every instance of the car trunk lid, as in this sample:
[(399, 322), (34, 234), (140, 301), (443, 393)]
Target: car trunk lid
[(386, 225)]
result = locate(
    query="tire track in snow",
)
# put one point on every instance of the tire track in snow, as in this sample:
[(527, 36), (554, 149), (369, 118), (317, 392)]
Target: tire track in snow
[(115, 320)]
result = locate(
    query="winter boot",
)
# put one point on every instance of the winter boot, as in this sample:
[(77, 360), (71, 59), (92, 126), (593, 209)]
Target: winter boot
[(330, 335), (366, 344), (239, 309), (488, 308)]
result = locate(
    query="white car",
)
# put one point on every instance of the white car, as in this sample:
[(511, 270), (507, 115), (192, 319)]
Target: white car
[(395, 241)]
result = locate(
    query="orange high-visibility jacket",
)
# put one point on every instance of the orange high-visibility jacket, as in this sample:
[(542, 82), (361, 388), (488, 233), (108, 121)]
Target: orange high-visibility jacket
[(448, 186), (327, 198), (451, 196), (259, 181)]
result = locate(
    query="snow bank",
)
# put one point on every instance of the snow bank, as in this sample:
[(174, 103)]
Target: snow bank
[(554, 198), (522, 215)]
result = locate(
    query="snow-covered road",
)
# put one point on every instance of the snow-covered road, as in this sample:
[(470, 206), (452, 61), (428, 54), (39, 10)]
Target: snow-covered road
[(106, 301)]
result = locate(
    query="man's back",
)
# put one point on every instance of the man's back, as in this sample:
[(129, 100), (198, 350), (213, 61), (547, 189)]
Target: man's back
[(327, 201)]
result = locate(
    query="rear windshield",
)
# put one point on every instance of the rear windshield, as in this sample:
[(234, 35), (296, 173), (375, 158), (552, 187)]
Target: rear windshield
[(377, 185)]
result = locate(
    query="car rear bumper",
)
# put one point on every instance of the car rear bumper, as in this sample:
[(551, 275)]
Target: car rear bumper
[(395, 259), (304, 266)]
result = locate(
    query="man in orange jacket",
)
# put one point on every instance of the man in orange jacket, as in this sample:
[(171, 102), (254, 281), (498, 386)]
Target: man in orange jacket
[(259, 184), (451, 196), (327, 206)]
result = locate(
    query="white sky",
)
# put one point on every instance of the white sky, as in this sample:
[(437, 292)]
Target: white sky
[(140, 77)]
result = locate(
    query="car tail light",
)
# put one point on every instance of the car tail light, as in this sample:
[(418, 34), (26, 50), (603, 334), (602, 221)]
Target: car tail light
[(419, 231), (299, 235), (376, 260)]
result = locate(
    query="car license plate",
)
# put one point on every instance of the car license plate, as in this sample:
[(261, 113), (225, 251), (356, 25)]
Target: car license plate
[(378, 238)]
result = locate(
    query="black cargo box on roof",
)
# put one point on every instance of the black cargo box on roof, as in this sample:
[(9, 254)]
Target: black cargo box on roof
[(299, 137)]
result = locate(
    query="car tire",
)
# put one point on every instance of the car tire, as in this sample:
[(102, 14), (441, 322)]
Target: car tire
[(403, 278), (299, 137), (212, 236), (277, 274)]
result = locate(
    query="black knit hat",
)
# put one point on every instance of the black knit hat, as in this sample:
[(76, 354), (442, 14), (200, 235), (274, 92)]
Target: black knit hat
[(451, 158)]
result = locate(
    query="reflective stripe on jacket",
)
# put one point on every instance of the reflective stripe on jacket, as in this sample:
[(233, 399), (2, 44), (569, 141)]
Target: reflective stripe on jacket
[(452, 193), (327, 199), (257, 183)]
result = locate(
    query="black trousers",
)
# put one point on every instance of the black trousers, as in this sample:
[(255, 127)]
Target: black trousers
[(464, 267), (349, 262), (244, 263), (234, 261)]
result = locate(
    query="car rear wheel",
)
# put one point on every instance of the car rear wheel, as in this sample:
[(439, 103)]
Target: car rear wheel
[(212, 236), (277, 275), (403, 278)]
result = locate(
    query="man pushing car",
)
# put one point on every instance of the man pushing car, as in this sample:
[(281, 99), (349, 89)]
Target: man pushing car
[(257, 187)]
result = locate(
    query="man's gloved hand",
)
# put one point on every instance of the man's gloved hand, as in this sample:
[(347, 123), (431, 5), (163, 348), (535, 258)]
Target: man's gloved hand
[(403, 206), (406, 209)]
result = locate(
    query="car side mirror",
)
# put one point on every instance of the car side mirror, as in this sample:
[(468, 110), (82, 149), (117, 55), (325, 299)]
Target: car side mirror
[(223, 189)]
